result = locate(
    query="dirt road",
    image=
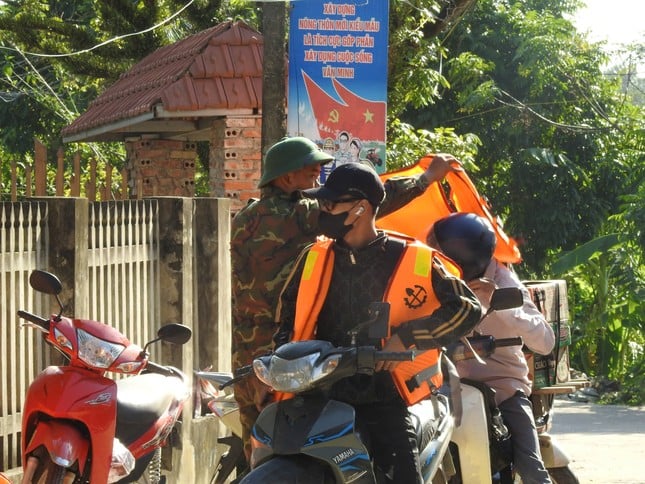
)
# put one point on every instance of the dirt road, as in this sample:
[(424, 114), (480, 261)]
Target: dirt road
[(605, 442)]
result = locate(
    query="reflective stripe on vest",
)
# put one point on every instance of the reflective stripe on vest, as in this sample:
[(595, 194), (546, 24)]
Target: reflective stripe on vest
[(409, 293)]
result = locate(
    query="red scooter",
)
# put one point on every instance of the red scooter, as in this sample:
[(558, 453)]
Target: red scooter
[(79, 426)]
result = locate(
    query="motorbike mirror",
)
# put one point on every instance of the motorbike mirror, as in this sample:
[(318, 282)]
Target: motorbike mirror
[(45, 282), (175, 333), (506, 298)]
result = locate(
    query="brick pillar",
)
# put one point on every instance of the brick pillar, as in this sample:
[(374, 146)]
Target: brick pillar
[(161, 167), (236, 159)]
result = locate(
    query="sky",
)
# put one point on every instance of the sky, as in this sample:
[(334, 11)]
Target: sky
[(614, 21)]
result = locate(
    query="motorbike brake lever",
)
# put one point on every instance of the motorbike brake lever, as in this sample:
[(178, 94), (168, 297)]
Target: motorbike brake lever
[(240, 374)]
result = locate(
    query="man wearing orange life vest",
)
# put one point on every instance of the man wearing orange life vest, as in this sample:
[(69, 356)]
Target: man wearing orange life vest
[(430, 306)]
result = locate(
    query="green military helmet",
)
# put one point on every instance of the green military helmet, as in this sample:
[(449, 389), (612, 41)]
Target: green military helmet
[(291, 154)]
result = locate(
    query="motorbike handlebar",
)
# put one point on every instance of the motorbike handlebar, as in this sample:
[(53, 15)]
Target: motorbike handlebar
[(395, 355), (153, 367), (481, 346), (517, 341), (240, 374), (37, 320)]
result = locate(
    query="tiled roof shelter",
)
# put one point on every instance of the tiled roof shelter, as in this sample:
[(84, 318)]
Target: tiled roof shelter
[(207, 87), (177, 91)]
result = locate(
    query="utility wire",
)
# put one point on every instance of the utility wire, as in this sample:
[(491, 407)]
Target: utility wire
[(520, 105), (109, 41)]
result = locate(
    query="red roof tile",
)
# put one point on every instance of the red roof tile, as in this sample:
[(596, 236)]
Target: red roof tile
[(217, 69)]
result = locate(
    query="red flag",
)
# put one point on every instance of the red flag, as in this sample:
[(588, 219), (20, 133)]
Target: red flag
[(363, 118)]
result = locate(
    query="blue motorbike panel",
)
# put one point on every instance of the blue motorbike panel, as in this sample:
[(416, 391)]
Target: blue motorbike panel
[(323, 430)]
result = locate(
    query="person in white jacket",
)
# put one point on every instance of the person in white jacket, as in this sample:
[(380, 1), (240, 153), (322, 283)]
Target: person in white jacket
[(470, 241)]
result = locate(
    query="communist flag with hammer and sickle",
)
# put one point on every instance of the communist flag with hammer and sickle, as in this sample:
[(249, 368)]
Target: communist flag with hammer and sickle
[(362, 118)]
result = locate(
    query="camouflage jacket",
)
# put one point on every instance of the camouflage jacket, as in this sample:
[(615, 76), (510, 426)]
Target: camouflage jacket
[(266, 238)]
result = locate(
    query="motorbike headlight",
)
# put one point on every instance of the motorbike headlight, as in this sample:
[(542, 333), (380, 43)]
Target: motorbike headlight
[(95, 351), (294, 375)]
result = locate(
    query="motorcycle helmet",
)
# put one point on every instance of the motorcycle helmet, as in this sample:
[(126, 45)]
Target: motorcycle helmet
[(467, 239)]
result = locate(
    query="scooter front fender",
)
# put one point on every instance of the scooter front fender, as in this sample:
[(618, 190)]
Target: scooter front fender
[(86, 402), (471, 438), (323, 430), (552, 453), (64, 443)]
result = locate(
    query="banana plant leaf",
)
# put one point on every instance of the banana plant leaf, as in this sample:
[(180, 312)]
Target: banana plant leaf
[(583, 253)]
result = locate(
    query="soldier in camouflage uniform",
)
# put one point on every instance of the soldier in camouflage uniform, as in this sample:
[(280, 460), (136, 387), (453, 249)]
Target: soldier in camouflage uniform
[(267, 236)]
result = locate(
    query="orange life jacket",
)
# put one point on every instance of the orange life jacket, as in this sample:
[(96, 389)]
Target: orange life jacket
[(456, 193), (409, 293)]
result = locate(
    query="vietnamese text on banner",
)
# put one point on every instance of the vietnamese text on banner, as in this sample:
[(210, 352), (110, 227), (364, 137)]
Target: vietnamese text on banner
[(338, 54)]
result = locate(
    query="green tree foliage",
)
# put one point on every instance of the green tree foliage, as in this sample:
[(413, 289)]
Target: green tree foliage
[(102, 39), (561, 158), (57, 56), (606, 294), (415, 51), (531, 88)]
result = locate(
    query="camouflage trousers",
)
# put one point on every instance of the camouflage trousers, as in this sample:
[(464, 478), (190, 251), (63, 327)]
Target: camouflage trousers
[(250, 339), (245, 396)]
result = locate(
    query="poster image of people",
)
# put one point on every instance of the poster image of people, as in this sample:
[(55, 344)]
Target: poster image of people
[(367, 156), (338, 78), (343, 154), (346, 150)]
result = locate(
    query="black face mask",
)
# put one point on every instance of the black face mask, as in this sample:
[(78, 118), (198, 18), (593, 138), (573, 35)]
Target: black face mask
[(333, 225)]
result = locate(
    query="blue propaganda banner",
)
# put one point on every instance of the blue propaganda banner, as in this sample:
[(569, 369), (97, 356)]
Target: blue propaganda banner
[(338, 53)]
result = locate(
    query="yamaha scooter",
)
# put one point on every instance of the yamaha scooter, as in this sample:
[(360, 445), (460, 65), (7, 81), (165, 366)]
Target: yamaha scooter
[(312, 438)]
